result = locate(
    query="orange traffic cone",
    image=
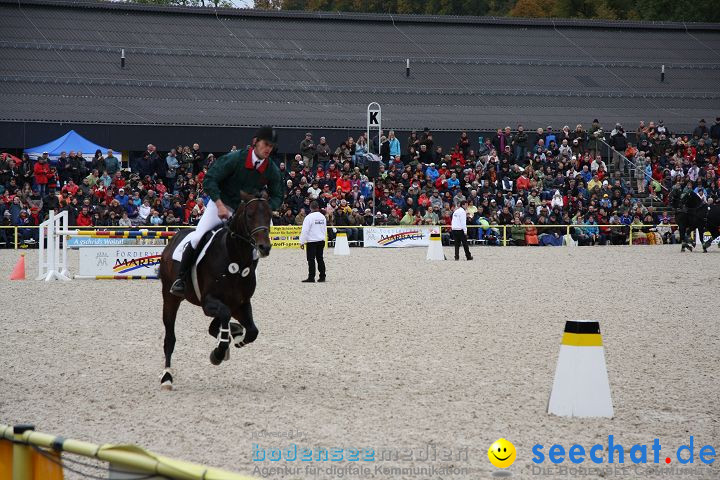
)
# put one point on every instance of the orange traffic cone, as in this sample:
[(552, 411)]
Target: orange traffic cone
[(18, 272)]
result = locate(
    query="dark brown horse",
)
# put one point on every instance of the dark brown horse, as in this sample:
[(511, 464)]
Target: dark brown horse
[(690, 215), (225, 279)]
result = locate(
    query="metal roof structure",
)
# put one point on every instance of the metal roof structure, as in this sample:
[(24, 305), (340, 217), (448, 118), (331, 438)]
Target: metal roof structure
[(205, 67)]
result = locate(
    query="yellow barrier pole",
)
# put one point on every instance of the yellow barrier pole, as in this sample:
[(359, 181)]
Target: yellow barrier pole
[(630, 239), (22, 453), (128, 456), (16, 238), (504, 235)]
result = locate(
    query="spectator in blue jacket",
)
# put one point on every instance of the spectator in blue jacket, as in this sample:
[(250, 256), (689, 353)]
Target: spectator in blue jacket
[(592, 231), (550, 136), (122, 198), (432, 172), (394, 144), (132, 210)]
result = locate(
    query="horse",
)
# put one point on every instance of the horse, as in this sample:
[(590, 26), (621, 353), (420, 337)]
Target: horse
[(225, 278), (712, 225), (690, 218)]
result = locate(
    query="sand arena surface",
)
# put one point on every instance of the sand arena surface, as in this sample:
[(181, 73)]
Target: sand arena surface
[(393, 352)]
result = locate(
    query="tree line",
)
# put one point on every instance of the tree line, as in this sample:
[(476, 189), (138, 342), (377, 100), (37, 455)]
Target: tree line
[(655, 10)]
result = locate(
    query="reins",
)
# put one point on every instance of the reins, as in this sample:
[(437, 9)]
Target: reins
[(249, 237)]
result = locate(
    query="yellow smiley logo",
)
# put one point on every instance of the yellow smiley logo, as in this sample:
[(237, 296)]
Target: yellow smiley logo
[(502, 453)]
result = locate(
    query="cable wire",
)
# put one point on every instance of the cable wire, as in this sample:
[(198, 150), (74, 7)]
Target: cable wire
[(427, 54), (67, 64), (671, 112)]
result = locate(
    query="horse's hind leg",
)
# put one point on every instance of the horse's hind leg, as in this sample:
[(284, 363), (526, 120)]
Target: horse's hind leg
[(245, 316), (221, 319), (171, 304)]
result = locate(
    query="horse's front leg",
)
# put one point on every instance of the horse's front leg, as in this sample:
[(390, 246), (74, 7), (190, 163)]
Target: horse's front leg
[(213, 307), (244, 315)]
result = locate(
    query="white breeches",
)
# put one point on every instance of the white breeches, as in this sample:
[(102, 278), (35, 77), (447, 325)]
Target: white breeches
[(208, 221)]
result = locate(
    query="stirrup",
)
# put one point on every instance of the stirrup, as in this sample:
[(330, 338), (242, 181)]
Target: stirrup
[(178, 287)]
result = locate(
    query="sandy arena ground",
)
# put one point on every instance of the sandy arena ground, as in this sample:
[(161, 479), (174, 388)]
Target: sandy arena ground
[(393, 352)]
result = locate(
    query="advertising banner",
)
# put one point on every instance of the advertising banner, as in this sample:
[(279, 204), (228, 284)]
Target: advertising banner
[(121, 260), (285, 236), (87, 241), (393, 237)]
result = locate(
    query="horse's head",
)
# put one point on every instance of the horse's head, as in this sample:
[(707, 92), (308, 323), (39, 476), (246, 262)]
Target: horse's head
[(251, 222)]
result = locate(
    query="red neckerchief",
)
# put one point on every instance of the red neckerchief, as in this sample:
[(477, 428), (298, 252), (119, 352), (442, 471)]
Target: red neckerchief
[(250, 165)]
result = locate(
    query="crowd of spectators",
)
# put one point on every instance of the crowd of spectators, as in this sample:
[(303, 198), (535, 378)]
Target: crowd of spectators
[(533, 182)]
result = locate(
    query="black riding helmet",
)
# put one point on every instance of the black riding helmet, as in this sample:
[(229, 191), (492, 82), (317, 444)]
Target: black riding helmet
[(266, 133)]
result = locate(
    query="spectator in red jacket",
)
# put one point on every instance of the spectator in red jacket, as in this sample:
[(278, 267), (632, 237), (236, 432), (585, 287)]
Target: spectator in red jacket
[(84, 219), (334, 172), (41, 170), (457, 158), (70, 188), (522, 183), (344, 183)]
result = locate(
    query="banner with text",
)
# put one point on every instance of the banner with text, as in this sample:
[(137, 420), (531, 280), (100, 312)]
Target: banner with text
[(121, 260), (88, 241), (285, 236), (393, 237)]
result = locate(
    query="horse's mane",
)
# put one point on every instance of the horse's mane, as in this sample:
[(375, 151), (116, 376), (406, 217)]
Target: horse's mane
[(246, 197)]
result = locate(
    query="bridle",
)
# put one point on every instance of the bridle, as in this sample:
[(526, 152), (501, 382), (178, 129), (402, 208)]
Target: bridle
[(249, 237)]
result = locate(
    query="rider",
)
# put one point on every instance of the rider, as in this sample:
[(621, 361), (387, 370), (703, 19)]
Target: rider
[(676, 197), (686, 193), (248, 171)]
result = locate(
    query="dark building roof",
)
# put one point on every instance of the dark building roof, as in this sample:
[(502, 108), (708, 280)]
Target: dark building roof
[(190, 66)]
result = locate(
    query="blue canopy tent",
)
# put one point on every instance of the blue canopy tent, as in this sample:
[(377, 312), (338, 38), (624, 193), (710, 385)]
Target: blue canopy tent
[(70, 141)]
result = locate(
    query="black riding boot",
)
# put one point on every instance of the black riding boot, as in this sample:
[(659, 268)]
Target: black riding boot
[(188, 258)]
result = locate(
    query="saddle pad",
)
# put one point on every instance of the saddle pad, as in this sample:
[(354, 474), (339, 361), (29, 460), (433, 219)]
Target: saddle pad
[(204, 244)]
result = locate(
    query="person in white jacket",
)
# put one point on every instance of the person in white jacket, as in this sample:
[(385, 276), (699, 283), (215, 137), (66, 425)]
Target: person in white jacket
[(459, 230), (557, 200), (312, 239)]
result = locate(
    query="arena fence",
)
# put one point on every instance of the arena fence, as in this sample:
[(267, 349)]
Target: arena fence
[(631, 234), (503, 231), (27, 455)]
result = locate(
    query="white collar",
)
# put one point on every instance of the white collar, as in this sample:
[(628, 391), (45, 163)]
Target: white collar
[(256, 159)]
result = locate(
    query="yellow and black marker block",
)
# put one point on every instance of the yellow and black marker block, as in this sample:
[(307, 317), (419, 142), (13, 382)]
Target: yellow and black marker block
[(435, 249), (581, 387)]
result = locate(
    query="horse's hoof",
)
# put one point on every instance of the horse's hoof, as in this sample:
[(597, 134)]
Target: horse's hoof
[(166, 380), (214, 359)]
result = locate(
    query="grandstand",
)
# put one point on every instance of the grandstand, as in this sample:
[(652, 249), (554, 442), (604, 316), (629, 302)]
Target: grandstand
[(193, 72)]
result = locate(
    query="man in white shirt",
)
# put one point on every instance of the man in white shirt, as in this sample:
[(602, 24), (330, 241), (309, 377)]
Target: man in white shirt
[(312, 239), (459, 230), (314, 190)]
